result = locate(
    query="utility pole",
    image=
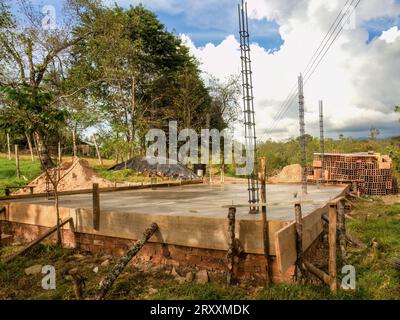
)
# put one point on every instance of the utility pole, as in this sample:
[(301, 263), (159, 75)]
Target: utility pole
[(302, 136), (248, 103), (322, 139)]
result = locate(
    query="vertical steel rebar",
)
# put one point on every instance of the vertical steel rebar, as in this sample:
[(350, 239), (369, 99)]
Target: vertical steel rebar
[(248, 103), (302, 136), (322, 139)]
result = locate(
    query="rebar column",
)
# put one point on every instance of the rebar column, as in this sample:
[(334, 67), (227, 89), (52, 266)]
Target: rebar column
[(302, 137), (248, 104)]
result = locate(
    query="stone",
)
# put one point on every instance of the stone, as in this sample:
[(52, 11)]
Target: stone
[(106, 257), (180, 280), (96, 269), (36, 269), (189, 277), (202, 277), (174, 273), (105, 263)]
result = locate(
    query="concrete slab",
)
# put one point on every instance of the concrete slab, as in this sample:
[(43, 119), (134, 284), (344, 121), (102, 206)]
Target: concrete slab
[(201, 201)]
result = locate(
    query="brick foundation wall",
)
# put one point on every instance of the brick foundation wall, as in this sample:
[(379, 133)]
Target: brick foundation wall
[(247, 266)]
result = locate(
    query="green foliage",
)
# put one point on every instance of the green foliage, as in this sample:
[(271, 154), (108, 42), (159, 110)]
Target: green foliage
[(281, 154)]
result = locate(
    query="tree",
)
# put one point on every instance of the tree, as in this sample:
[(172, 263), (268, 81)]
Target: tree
[(225, 103), (139, 71), (374, 133), (29, 54)]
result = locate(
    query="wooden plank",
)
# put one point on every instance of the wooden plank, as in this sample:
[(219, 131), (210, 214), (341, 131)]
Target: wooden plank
[(285, 247)]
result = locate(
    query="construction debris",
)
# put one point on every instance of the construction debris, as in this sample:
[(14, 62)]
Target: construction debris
[(150, 167)]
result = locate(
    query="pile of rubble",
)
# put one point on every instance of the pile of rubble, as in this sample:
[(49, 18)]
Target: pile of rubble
[(150, 167)]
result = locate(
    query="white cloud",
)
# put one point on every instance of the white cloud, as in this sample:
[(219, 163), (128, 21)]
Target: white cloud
[(358, 81), (391, 35)]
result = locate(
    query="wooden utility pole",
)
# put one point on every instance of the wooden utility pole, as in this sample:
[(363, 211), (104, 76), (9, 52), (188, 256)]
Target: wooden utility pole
[(97, 150), (332, 246), (302, 137), (96, 207), (8, 146), (263, 180), (17, 162)]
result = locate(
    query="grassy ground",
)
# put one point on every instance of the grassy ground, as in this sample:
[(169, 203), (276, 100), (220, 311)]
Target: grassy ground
[(29, 170), (374, 221)]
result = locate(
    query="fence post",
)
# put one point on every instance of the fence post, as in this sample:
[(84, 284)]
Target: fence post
[(299, 241), (332, 246), (96, 207)]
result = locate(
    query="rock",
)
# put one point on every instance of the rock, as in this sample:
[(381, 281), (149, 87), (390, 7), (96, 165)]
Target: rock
[(96, 269), (78, 256), (104, 258), (189, 277), (174, 273), (202, 277), (36, 269), (105, 263), (180, 280), (73, 271)]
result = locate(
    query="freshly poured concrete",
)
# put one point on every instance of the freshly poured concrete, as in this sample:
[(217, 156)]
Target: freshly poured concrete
[(201, 201)]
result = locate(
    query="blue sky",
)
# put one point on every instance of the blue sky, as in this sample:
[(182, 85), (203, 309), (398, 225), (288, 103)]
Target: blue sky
[(220, 20)]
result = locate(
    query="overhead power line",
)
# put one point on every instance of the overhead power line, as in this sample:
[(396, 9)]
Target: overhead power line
[(325, 45)]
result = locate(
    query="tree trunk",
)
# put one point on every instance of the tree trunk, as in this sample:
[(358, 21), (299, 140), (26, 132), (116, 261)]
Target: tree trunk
[(28, 139), (43, 151), (108, 281), (8, 146), (97, 150), (57, 206), (74, 148), (133, 106)]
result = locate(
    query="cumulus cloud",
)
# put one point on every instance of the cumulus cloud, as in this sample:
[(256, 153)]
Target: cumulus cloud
[(358, 79)]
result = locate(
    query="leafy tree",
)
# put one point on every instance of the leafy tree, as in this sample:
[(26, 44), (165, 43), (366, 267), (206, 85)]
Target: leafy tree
[(28, 56), (374, 133)]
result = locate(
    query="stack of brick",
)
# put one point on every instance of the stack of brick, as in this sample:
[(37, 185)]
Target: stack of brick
[(371, 171)]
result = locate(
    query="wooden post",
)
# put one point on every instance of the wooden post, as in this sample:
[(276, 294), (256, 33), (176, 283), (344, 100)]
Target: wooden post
[(97, 150), (8, 146), (231, 245), (299, 241), (17, 162), (332, 246), (342, 230), (263, 176), (96, 207)]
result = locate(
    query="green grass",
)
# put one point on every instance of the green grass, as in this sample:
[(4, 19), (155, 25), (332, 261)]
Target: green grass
[(28, 169)]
